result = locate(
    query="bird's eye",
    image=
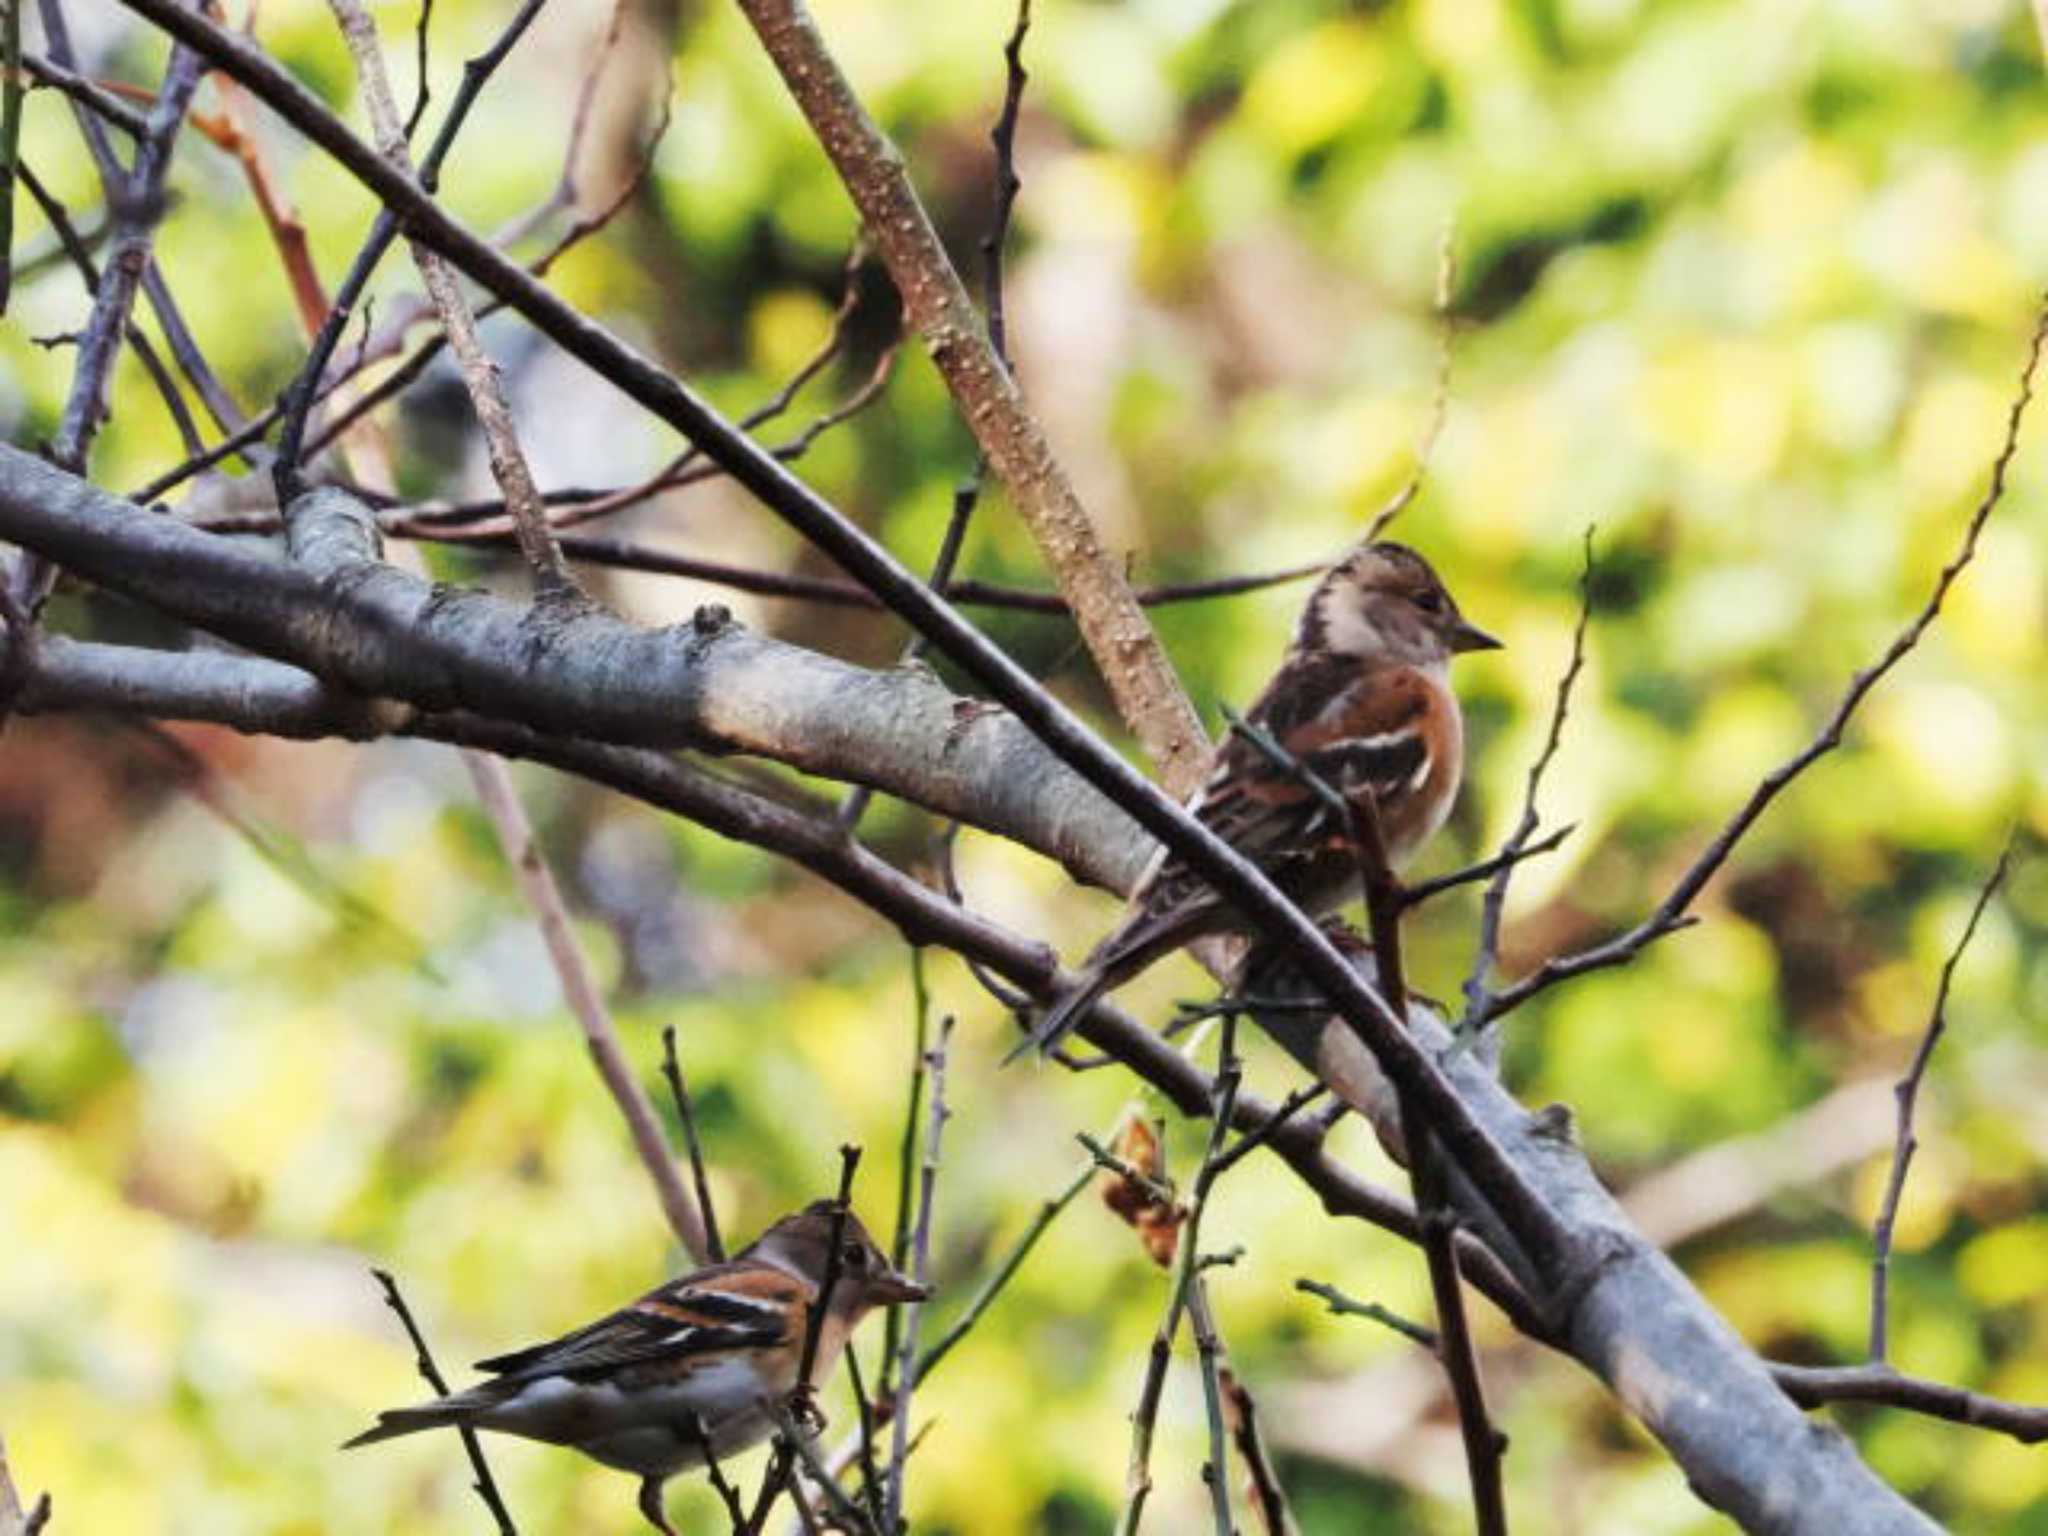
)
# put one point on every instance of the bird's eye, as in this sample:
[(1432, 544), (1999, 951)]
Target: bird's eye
[(856, 1257), (1431, 601)]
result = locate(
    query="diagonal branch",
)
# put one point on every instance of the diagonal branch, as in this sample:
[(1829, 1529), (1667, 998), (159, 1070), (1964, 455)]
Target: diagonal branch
[(1907, 1093), (1126, 651)]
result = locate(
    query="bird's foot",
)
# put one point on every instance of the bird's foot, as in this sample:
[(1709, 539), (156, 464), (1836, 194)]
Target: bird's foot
[(650, 1506)]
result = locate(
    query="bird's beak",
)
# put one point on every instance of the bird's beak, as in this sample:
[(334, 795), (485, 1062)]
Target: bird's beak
[(893, 1286), (1467, 636)]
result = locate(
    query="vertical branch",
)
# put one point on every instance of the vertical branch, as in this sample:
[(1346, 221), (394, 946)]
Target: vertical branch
[(906, 1160), (672, 1069), (1209, 1353), (579, 986), (1262, 1483), (1148, 695), (1138, 1476), (1384, 904), (921, 1260), (1907, 1092), (135, 202), (11, 93), (1440, 398), (1483, 1443), (423, 1358), (781, 1464), (1495, 901)]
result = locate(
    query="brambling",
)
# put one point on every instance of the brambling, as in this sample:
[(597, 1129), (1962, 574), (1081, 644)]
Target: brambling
[(1361, 699), (694, 1364)]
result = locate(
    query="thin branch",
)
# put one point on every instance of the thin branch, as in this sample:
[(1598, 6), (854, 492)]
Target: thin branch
[(780, 1464), (1005, 1269), (1138, 1476), (486, 1486), (299, 397), (1440, 399), (579, 987), (1907, 1092), (1670, 913), (11, 94), (1486, 869), (1209, 1360), (421, 93), (110, 109), (921, 1261), (74, 249), (479, 373), (13, 1521), (672, 1069), (1812, 1386), (906, 1154), (1341, 1305), (1262, 1483), (1487, 951), (135, 203)]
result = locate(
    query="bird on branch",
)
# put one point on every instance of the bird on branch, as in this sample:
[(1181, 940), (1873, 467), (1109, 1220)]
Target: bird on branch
[(691, 1372), (1362, 701)]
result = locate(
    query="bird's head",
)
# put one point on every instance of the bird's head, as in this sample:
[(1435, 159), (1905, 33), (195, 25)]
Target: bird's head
[(802, 1245), (1383, 603)]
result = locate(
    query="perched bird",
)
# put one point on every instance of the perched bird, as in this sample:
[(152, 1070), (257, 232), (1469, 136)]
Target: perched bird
[(1362, 701), (701, 1360)]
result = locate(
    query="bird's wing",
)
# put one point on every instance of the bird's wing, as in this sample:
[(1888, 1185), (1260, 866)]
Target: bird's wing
[(1357, 731), (738, 1305)]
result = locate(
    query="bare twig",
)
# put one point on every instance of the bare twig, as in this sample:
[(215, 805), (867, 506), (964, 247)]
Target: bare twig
[(672, 1069), (515, 833), (1811, 1386), (1342, 1305), (1424, 890), (135, 202), (780, 1465), (1384, 906), (1005, 1268), (921, 1260), (1138, 1476), (11, 93), (906, 1158), (1488, 948), (1262, 1483), (299, 398), (479, 372), (486, 1486), (1440, 399), (110, 108), (75, 251), (1209, 1359), (1907, 1092), (1670, 913)]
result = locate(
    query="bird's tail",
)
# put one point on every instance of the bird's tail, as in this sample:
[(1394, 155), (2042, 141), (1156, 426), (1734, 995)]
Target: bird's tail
[(1130, 947), (393, 1422)]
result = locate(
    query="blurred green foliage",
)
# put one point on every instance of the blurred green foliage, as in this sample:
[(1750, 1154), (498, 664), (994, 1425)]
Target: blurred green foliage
[(1741, 284)]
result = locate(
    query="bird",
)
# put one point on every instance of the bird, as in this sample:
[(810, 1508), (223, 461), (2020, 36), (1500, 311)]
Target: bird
[(694, 1366), (1362, 700)]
